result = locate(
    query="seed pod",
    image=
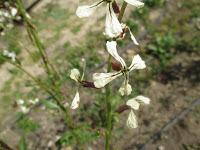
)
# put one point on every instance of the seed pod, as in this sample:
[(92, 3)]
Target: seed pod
[(115, 7), (116, 66), (122, 108), (88, 84)]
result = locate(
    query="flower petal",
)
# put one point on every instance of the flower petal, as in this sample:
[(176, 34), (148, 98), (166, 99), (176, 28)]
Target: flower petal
[(87, 10), (135, 3), (75, 74), (112, 49), (20, 102), (101, 79), (125, 89), (24, 109), (143, 99), (76, 101), (137, 63), (132, 37), (112, 26), (132, 120), (133, 104), (13, 11)]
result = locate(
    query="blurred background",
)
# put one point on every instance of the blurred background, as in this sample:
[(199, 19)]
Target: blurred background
[(169, 34)]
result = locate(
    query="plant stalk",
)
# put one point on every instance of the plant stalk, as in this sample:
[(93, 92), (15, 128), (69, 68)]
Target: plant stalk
[(52, 73), (109, 113)]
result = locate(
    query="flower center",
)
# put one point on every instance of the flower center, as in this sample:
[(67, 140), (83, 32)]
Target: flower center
[(124, 71)]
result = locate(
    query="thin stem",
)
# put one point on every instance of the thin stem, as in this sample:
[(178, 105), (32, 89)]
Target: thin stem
[(109, 110), (122, 10), (49, 68), (37, 42), (46, 88)]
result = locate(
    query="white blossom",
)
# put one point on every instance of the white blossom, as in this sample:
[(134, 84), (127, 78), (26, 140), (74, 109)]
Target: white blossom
[(134, 104), (20, 102), (87, 10), (24, 109), (75, 74), (35, 101), (143, 99), (76, 101), (135, 3), (13, 11), (101, 79), (124, 26), (132, 120), (112, 25), (112, 49), (125, 89), (11, 55)]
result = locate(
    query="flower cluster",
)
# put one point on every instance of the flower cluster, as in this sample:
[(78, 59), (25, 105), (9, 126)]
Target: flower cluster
[(8, 14), (10, 55), (114, 30), (25, 106)]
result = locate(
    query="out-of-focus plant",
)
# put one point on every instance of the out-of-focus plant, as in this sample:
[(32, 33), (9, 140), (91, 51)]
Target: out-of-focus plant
[(8, 14), (154, 3), (161, 47)]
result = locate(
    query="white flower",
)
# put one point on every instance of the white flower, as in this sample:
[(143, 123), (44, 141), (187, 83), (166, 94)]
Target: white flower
[(134, 104), (5, 52), (75, 74), (101, 79), (112, 49), (76, 101), (87, 10), (20, 102), (35, 101), (125, 89), (6, 14), (24, 109), (11, 55), (124, 26), (135, 3), (13, 11), (132, 120), (143, 99), (112, 25)]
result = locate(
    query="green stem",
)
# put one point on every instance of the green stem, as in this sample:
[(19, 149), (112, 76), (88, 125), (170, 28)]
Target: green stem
[(108, 111), (122, 10), (49, 68), (108, 91), (47, 89)]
